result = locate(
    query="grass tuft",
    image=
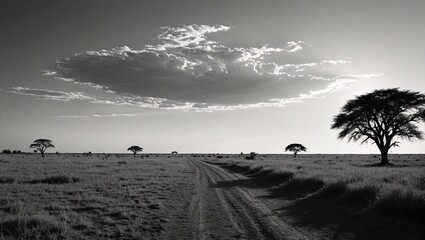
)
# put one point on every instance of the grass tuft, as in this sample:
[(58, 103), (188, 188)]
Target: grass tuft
[(61, 179), (333, 190), (360, 196), (7, 180), (298, 187), (407, 205), (33, 227), (276, 176)]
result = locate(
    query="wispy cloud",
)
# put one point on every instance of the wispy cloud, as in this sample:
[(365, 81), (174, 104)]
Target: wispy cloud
[(99, 115), (112, 115), (185, 70), (50, 94)]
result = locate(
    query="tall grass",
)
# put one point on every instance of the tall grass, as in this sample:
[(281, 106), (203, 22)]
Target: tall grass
[(37, 227), (394, 192)]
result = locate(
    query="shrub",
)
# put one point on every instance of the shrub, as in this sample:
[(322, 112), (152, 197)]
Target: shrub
[(251, 156)]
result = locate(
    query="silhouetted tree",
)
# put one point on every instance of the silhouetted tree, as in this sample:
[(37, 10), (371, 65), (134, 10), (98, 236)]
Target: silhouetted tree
[(135, 149), (42, 145), (382, 116), (295, 148)]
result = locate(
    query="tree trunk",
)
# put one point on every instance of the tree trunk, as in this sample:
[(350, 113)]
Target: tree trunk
[(295, 154), (134, 154), (384, 156), (42, 154)]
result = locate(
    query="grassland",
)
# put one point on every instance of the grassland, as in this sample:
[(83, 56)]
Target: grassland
[(116, 196), (71, 196), (342, 193)]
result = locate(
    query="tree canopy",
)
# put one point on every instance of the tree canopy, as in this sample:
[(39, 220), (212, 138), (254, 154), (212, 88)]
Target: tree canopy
[(295, 148), (381, 117), (135, 149), (42, 145)]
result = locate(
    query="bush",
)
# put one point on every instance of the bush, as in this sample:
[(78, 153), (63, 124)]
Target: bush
[(251, 156), (6, 151)]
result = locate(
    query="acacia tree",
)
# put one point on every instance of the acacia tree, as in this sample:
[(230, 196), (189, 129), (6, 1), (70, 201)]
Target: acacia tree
[(42, 145), (295, 148), (135, 149), (382, 116)]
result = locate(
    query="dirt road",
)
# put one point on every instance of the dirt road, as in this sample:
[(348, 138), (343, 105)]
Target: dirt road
[(222, 210)]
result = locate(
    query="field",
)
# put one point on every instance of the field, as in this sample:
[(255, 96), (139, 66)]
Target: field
[(118, 196), (71, 196)]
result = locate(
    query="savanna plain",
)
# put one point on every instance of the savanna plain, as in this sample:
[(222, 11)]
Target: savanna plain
[(211, 196)]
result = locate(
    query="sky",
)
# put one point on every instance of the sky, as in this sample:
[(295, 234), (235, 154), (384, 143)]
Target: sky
[(200, 76)]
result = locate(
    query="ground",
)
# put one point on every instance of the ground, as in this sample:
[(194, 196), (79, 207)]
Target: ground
[(193, 196)]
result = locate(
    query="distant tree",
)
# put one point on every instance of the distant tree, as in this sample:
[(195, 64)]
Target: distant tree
[(382, 116), (6, 151), (252, 156), (295, 148), (135, 149), (42, 145), (174, 152)]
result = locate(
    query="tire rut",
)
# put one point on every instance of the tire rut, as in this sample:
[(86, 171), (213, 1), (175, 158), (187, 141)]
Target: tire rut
[(233, 212)]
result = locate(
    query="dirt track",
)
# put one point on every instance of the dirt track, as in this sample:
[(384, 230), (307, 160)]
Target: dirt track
[(222, 210)]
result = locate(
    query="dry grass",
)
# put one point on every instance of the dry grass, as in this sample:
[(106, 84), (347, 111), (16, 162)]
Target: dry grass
[(5, 180), (60, 179), (71, 196), (41, 226), (349, 183)]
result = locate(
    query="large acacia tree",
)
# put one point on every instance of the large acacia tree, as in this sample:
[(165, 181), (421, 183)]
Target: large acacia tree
[(42, 145), (295, 148), (382, 117)]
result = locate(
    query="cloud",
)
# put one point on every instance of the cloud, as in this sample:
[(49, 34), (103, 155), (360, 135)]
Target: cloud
[(50, 94), (99, 115), (186, 70), (192, 36)]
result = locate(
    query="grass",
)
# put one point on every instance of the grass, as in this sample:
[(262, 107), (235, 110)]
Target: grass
[(314, 183), (97, 197), (100, 197), (7, 180), (37, 227), (407, 205), (60, 179)]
